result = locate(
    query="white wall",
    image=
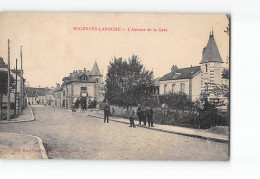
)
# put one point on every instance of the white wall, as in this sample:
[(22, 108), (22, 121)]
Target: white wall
[(177, 83)]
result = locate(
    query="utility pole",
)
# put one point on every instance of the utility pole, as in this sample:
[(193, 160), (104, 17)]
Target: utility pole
[(15, 93), (8, 83), (21, 81)]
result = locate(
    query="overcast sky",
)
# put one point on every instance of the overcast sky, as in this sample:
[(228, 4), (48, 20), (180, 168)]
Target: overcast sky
[(52, 49)]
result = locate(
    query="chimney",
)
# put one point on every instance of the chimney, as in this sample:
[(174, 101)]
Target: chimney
[(174, 67), (85, 70), (57, 85)]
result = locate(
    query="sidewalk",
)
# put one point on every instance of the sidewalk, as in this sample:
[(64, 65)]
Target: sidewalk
[(198, 133), (21, 146), (26, 116)]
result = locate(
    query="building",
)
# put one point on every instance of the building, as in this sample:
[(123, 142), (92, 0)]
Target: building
[(196, 80), (82, 84), (185, 80), (35, 96), (50, 97), (16, 101), (58, 96)]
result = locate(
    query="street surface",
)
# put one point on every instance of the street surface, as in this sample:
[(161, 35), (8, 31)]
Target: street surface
[(79, 136)]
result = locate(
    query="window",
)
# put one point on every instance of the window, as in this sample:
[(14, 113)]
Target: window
[(83, 91), (206, 88), (206, 67), (173, 88), (182, 87), (165, 87)]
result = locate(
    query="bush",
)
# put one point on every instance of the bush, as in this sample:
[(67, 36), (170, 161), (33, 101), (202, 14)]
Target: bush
[(93, 104)]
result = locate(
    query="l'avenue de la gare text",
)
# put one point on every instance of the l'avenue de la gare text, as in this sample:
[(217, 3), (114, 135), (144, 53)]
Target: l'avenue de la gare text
[(130, 29)]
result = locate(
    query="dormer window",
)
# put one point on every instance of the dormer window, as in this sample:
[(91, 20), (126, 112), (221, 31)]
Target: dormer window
[(96, 80), (84, 78)]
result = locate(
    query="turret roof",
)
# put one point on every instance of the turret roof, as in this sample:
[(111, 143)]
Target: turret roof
[(211, 53), (95, 70)]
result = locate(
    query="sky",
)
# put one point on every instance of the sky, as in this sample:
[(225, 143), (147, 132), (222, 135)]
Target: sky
[(52, 49)]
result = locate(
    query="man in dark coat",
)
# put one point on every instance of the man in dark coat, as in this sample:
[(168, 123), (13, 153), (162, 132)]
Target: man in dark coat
[(149, 114), (139, 113), (106, 112)]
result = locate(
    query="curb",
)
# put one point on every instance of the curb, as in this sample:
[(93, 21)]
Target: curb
[(28, 120), (173, 132), (43, 154)]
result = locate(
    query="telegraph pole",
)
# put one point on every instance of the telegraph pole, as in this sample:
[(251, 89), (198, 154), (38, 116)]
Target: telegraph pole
[(21, 81), (15, 93), (8, 83)]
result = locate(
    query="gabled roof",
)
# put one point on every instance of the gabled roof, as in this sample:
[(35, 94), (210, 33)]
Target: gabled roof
[(95, 70), (51, 92), (181, 73), (211, 53), (34, 92)]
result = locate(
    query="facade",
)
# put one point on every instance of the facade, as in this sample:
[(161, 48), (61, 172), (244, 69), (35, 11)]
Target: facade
[(198, 79), (50, 97), (20, 86), (35, 96), (81, 84), (185, 80)]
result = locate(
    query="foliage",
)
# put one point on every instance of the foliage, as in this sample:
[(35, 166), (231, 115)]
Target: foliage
[(4, 85), (178, 101), (128, 82), (93, 104), (4, 82)]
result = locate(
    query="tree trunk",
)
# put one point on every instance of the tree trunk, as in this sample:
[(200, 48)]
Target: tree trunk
[(1, 107)]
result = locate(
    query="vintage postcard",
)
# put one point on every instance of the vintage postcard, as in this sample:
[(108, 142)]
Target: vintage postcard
[(115, 86)]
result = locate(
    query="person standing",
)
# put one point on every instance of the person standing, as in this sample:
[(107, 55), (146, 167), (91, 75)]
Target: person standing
[(73, 108), (139, 114), (149, 114), (131, 115), (106, 112)]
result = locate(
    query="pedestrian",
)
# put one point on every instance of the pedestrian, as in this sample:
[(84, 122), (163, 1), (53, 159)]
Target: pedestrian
[(143, 116), (149, 114), (73, 108), (131, 114), (106, 112), (139, 114)]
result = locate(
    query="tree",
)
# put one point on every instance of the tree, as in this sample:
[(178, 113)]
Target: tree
[(177, 101), (3, 85), (128, 82)]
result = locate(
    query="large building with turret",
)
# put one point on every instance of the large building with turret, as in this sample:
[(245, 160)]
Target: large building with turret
[(80, 85)]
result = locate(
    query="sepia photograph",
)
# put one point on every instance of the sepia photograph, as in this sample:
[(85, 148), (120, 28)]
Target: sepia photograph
[(115, 86)]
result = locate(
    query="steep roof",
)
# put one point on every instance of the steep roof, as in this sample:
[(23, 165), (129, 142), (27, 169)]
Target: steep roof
[(211, 53), (181, 73), (77, 77), (95, 70), (34, 92)]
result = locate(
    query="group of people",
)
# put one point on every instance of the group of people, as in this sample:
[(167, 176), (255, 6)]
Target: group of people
[(143, 113), (82, 107)]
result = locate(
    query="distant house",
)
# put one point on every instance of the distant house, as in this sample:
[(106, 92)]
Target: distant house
[(50, 97), (36, 95), (197, 80)]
